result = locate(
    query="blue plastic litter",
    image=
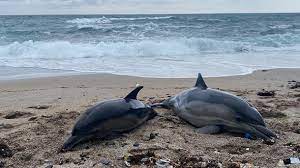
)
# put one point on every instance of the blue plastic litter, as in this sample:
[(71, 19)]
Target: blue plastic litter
[(248, 136)]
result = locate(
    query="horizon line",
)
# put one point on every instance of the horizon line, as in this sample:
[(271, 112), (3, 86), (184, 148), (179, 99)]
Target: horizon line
[(204, 13)]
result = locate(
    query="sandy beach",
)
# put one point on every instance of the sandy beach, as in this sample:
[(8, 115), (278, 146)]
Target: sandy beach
[(37, 115)]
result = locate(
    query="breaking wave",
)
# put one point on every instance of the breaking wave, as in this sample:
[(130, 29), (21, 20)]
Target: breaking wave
[(170, 58)]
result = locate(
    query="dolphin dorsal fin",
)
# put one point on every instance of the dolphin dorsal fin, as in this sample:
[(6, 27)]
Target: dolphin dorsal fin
[(200, 82), (133, 94)]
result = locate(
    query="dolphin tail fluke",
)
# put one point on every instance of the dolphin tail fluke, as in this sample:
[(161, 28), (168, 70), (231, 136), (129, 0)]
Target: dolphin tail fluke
[(70, 143)]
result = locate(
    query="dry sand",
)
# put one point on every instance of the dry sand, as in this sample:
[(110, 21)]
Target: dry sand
[(42, 112)]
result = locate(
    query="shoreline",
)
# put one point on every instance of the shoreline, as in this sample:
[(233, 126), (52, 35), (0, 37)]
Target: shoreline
[(50, 73), (46, 108)]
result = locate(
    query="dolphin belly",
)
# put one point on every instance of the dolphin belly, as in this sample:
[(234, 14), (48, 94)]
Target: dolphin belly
[(199, 113)]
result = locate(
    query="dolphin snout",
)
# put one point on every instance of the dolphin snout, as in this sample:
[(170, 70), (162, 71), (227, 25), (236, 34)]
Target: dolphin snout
[(253, 130), (164, 104)]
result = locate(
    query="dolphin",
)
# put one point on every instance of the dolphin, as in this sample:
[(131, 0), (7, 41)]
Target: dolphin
[(112, 117), (213, 111)]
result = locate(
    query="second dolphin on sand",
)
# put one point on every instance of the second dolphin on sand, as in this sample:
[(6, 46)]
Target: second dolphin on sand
[(214, 111), (112, 117)]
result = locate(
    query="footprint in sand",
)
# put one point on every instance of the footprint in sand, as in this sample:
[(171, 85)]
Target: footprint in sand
[(40, 107), (17, 114)]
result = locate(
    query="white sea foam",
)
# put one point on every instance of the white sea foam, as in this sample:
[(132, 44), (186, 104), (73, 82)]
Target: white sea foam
[(142, 18), (104, 19), (101, 20), (283, 26), (180, 57), (95, 23), (98, 23), (152, 45), (142, 48)]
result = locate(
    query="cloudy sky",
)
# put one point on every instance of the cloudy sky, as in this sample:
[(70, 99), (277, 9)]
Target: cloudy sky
[(8, 7)]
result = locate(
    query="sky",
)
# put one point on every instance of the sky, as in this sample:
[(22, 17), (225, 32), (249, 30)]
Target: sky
[(21, 7)]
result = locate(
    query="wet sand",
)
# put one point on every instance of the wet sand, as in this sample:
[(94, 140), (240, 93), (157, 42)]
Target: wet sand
[(37, 115)]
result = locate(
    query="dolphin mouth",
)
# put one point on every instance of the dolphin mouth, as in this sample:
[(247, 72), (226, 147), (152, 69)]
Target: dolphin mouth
[(264, 130), (257, 131), (70, 143), (159, 105), (164, 104)]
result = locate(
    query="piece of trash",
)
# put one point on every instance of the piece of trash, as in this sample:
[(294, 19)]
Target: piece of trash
[(145, 160), (293, 84), (295, 160), (246, 165), (266, 93), (105, 161), (6, 126), (127, 159), (137, 85), (5, 151), (40, 107), (148, 137), (292, 160), (162, 163), (138, 158), (48, 163), (136, 144), (127, 163), (248, 136), (270, 142)]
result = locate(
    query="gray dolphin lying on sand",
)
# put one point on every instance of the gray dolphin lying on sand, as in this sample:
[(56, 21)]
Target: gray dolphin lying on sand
[(214, 111), (112, 117)]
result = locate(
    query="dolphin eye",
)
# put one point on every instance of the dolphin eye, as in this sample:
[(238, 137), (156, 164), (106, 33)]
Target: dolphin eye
[(238, 119)]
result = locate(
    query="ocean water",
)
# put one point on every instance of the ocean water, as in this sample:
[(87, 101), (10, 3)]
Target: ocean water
[(150, 45)]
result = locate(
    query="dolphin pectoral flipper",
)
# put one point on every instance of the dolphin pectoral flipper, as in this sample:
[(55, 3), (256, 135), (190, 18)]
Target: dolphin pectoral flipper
[(210, 129)]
